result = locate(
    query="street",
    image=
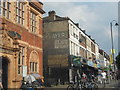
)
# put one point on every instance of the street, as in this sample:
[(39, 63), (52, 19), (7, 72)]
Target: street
[(113, 85)]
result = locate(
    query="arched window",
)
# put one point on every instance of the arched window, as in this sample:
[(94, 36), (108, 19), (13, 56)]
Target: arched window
[(34, 61)]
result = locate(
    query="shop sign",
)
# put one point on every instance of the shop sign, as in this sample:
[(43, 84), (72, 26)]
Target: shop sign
[(90, 63), (98, 66), (95, 65), (76, 61)]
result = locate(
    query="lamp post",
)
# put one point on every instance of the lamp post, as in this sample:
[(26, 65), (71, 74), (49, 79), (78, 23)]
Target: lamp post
[(112, 51)]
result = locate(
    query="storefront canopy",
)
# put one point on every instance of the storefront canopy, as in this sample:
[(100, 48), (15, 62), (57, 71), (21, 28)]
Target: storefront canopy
[(76, 61)]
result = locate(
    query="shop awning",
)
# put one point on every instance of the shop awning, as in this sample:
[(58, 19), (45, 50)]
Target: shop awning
[(106, 69), (76, 61)]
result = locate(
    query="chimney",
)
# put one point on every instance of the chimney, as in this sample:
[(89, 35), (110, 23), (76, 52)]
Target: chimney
[(52, 15), (84, 31), (89, 36), (77, 24), (93, 40)]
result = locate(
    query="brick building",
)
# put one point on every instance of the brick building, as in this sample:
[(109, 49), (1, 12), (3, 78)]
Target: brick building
[(20, 40), (63, 42)]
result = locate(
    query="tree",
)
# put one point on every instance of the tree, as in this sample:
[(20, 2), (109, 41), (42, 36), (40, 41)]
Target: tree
[(118, 61)]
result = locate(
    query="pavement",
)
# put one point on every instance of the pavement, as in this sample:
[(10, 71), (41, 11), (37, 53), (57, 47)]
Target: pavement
[(113, 85)]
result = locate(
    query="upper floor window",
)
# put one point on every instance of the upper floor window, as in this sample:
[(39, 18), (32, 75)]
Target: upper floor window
[(33, 22), (20, 12), (5, 8)]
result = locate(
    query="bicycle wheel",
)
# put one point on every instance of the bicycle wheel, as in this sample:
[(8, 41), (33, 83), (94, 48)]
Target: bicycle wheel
[(83, 85), (70, 87), (79, 87), (94, 86)]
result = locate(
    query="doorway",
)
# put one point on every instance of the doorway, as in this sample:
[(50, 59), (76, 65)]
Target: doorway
[(4, 78)]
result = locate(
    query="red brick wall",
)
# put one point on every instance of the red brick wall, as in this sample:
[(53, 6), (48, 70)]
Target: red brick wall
[(40, 54), (28, 37), (31, 38), (41, 63)]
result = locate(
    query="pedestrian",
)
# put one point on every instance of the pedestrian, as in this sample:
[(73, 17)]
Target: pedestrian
[(103, 77), (41, 82), (110, 77), (99, 78), (93, 78), (84, 77)]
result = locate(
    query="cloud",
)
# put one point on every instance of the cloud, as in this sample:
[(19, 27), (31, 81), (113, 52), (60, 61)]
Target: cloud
[(94, 17), (80, 0)]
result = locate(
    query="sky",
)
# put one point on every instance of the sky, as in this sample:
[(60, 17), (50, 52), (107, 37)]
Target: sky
[(94, 17)]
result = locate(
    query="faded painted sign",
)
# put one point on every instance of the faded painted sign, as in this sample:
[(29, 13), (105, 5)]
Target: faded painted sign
[(61, 43)]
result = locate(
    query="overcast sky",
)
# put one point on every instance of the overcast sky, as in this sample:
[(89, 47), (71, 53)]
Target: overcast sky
[(94, 17)]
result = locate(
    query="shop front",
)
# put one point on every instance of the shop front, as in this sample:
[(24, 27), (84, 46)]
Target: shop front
[(92, 68), (75, 68)]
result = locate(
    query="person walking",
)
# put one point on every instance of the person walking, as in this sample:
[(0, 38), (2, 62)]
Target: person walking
[(84, 78), (103, 77)]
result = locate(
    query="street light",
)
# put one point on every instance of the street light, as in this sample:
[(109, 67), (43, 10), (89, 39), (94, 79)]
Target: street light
[(116, 24)]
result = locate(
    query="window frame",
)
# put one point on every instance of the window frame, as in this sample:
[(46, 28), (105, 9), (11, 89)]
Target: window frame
[(5, 8), (33, 22), (33, 66), (21, 59), (20, 12)]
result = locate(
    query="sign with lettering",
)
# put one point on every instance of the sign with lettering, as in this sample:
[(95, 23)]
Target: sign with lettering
[(56, 35), (58, 60), (90, 63), (61, 43)]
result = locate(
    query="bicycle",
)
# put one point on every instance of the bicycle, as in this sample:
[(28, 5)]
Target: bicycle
[(104, 82), (92, 85), (70, 86), (75, 86)]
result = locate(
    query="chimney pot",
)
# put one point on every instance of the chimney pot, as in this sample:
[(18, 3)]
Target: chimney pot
[(52, 13)]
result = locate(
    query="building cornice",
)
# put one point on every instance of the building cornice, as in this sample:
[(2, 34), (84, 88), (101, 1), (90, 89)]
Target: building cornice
[(36, 7), (28, 45)]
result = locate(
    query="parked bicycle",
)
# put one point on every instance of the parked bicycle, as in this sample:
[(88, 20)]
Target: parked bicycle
[(92, 85), (75, 86)]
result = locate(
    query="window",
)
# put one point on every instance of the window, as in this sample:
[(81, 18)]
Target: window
[(33, 66), (20, 59), (33, 22), (20, 12), (74, 35), (71, 48), (83, 40), (5, 8), (34, 61)]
